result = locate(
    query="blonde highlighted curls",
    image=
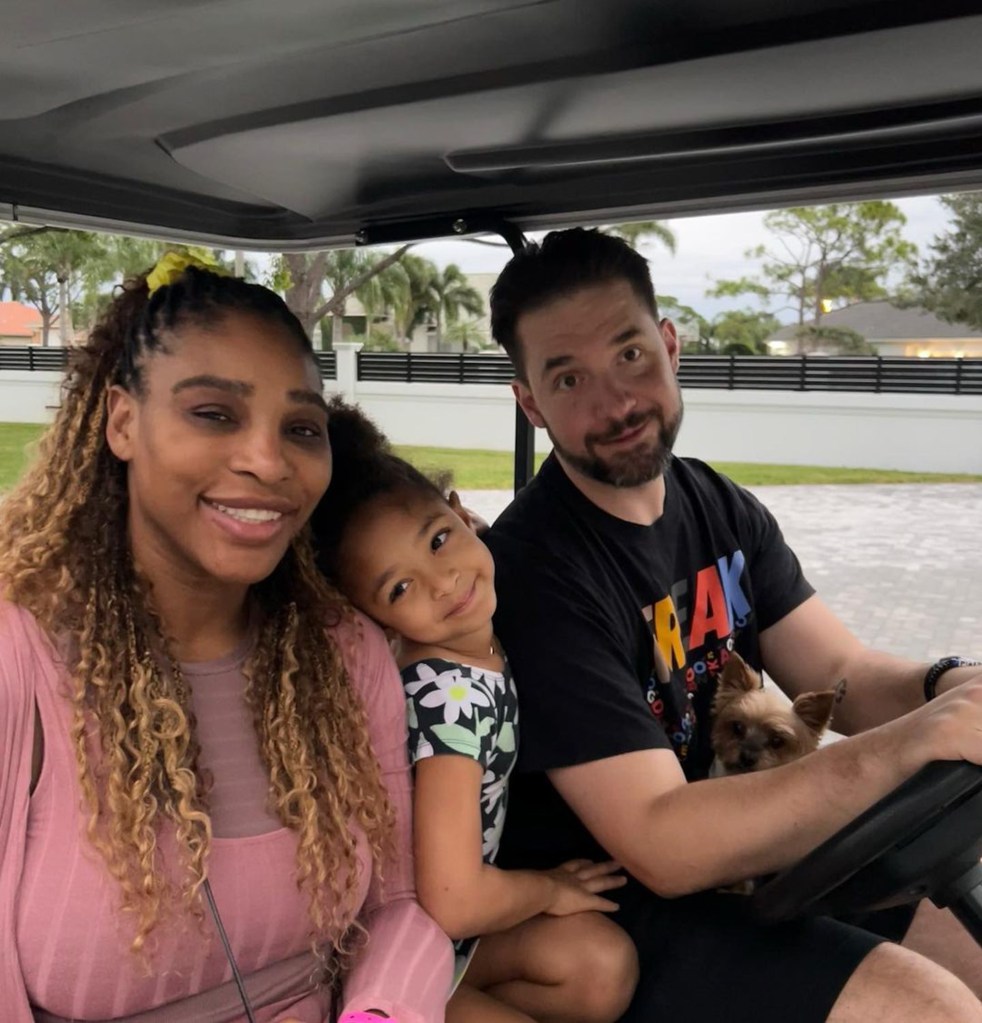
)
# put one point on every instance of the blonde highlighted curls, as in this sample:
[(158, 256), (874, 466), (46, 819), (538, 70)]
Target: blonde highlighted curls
[(65, 557)]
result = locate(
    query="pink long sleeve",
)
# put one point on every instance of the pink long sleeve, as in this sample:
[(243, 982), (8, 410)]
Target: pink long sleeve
[(18, 662), (406, 967), (403, 969)]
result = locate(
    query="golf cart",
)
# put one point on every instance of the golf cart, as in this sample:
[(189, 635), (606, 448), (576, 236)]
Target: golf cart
[(311, 125)]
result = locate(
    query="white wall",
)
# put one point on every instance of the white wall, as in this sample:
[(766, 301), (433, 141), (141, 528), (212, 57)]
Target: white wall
[(25, 395), (919, 433), (926, 433), (445, 415)]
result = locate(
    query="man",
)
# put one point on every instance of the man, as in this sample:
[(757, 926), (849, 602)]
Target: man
[(625, 577)]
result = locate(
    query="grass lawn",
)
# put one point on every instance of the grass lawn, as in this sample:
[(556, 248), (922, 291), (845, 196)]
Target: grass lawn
[(14, 439), (492, 470)]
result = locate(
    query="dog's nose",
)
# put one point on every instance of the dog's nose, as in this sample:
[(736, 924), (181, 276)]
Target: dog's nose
[(747, 759)]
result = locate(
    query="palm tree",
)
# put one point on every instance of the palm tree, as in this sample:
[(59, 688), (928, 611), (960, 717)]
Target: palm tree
[(418, 298), (342, 268), (467, 334), (639, 230), (381, 293), (452, 294)]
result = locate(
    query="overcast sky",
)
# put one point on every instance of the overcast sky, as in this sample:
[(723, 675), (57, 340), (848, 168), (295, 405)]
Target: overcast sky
[(708, 248)]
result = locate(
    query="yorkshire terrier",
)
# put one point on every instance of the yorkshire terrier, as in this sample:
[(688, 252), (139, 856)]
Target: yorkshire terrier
[(754, 729)]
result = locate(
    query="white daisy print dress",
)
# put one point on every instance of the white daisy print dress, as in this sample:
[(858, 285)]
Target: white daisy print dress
[(471, 712)]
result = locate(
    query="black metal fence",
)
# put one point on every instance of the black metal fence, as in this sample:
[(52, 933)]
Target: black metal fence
[(860, 373), (33, 357), (424, 367), (327, 363), (871, 374)]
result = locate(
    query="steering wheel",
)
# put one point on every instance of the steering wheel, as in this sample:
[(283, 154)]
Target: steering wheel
[(923, 840)]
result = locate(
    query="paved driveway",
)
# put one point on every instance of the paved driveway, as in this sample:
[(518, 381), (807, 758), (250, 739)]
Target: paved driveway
[(901, 564)]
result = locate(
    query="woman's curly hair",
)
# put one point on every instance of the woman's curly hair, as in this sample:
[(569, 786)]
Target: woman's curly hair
[(65, 556)]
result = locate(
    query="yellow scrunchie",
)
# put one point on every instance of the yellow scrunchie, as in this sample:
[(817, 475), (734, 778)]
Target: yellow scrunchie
[(172, 264)]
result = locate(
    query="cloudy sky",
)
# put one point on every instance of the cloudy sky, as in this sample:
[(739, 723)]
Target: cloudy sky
[(708, 248)]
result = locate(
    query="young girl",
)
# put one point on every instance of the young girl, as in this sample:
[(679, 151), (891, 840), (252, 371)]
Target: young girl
[(407, 557)]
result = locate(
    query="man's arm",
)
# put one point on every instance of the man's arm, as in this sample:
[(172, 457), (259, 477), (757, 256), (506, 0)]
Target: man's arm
[(811, 649), (678, 838)]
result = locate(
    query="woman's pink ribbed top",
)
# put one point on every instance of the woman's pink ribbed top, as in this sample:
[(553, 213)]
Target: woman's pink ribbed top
[(63, 948)]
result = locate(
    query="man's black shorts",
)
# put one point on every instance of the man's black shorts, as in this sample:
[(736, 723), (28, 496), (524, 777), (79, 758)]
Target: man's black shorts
[(705, 960)]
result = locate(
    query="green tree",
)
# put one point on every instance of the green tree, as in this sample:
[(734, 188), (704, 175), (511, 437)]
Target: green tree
[(694, 330), (743, 331), (468, 335), (377, 296), (641, 230), (15, 231), (302, 277), (825, 254), (632, 232), (949, 282), (49, 270), (123, 257), (842, 340), (450, 295), (418, 298), (378, 337)]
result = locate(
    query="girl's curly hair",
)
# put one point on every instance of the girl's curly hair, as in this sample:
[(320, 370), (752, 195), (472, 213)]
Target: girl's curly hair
[(364, 469), (65, 556)]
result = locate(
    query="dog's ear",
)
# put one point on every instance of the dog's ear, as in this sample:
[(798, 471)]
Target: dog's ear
[(815, 709), (737, 675)]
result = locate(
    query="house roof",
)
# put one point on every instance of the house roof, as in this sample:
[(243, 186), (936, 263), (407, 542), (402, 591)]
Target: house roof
[(18, 320), (883, 321)]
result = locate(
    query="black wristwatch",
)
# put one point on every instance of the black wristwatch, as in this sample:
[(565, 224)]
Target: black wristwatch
[(937, 669)]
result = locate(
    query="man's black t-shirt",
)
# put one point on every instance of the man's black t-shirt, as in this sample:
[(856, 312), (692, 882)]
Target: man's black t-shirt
[(617, 632)]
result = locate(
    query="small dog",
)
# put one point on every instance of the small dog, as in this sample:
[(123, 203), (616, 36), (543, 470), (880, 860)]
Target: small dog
[(754, 729)]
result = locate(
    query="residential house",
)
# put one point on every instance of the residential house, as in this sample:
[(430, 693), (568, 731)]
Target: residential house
[(893, 330), (19, 324)]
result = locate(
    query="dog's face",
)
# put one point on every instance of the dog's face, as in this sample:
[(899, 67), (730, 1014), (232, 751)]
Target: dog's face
[(754, 729)]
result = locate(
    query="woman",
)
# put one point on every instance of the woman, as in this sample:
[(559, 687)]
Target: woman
[(187, 709)]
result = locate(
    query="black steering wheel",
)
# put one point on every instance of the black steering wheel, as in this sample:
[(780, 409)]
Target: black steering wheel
[(923, 840)]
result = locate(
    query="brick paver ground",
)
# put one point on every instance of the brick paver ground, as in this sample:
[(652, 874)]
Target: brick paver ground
[(900, 564)]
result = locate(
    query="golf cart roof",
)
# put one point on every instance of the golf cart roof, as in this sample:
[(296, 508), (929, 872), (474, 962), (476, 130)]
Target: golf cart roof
[(307, 123)]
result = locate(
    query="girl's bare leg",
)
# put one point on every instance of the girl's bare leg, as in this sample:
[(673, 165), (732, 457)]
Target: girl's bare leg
[(574, 969), (468, 1005)]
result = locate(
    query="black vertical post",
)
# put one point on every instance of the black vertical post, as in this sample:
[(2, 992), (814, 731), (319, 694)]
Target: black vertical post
[(524, 449), (524, 432)]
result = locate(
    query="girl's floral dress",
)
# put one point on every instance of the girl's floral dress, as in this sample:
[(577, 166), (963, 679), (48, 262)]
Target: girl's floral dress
[(460, 710)]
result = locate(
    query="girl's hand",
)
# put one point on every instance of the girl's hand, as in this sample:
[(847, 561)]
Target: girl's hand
[(578, 885)]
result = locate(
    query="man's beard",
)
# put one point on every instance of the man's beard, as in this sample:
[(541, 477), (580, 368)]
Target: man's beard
[(641, 464)]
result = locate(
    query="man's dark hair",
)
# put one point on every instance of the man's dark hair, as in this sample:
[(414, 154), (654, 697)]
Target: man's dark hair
[(562, 263)]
